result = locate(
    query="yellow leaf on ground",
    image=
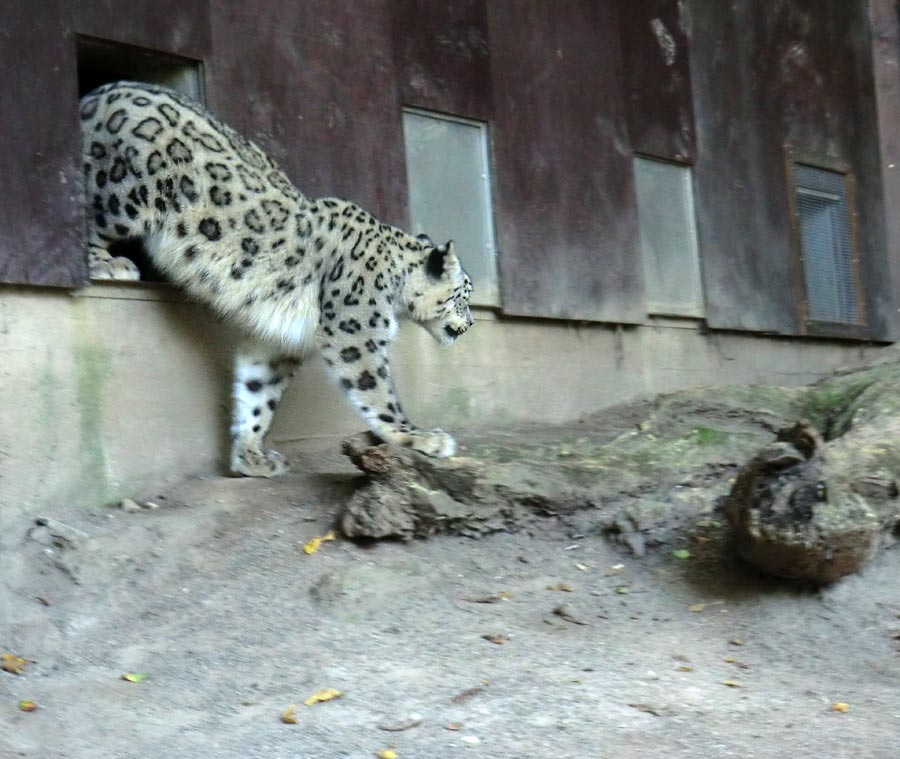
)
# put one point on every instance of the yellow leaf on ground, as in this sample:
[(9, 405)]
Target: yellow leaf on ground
[(732, 683), (326, 694), (386, 753), (316, 543), (840, 706), (135, 677), (27, 706), (697, 607), (12, 663), (289, 715), (561, 587)]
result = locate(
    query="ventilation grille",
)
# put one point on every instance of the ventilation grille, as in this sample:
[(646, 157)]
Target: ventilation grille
[(826, 245)]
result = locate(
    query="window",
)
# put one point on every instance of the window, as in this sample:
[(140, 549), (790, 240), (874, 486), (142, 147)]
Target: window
[(449, 192), (101, 61), (668, 237), (827, 247)]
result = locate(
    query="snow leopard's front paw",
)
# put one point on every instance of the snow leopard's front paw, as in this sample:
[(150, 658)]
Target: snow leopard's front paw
[(435, 443), (253, 462)]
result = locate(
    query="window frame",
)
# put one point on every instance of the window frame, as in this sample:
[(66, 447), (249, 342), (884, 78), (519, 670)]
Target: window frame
[(697, 311), (489, 194), (809, 326)]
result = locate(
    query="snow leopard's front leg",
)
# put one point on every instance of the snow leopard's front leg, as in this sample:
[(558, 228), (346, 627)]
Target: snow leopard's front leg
[(358, 360), (260, 379)]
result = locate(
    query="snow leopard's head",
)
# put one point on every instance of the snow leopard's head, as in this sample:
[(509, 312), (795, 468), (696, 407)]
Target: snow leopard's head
[(441, 292)]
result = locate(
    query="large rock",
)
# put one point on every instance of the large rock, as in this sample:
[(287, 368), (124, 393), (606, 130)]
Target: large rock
[(636, 471), (817, 509), (813, 499)]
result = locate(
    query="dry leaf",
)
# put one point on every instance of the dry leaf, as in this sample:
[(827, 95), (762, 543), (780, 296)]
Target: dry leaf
[(491, 599), (647, 708), (289, 715), (562, 587), (402, 726), (684, 668), (696, 607), (732, 683), (326, 694), (12, 663), (568, 613), (27, 706), (581, 567), (44, 600), (386, 753), (316, 543), (840, 706), (135, 677), (453, 726), (623, 590), (736, 642), (465, 695), (498, 638)]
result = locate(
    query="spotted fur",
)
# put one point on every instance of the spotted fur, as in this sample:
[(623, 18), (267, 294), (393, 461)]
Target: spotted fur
[(219, 217)]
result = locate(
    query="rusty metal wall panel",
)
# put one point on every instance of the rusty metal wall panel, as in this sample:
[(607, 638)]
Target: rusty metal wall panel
[(565, 188), (885, 20), (443, 56), (314, 83), (180, 27), (771, 76), (41, 217), (41, 223), (657, 78)]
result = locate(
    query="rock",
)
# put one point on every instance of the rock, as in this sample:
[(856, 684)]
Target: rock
[(413, 496), (806, 509), (622, 470), (815, 501)]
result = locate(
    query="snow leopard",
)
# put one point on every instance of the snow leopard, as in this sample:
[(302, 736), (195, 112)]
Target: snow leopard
[(221, 220)]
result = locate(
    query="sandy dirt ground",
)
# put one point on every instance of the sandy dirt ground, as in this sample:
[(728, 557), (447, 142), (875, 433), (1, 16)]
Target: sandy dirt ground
[(555, 642)]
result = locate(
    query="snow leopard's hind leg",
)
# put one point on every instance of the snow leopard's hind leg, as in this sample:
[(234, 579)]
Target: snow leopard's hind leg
[(260, 378), (103, 265)]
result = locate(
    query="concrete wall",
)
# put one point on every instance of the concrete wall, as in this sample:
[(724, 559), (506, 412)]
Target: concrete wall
[(116, 390)]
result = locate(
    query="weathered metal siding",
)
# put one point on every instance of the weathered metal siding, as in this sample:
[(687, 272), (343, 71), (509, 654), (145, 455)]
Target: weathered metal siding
[(885, 20), (41, 216), (565, 202), (315, 84), (41, 221), (657, 78), (443, 56), (571, 89), (771, 76)]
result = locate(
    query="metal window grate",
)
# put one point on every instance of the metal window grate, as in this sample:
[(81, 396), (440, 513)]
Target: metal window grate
[(826, 245)]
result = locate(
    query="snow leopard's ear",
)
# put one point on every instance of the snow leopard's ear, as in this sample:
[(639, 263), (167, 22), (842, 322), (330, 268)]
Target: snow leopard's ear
[(440, 260)]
